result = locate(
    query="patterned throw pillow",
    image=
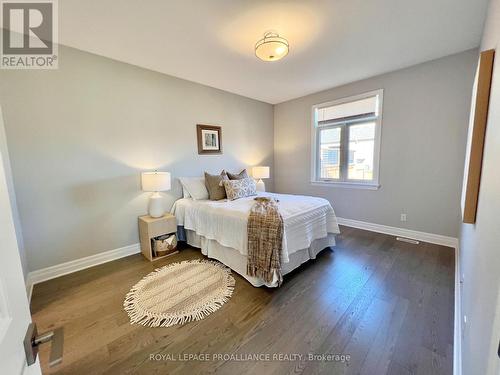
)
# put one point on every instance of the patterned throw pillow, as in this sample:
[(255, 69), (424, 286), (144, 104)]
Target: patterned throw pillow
[(240, 188), (240, 176)]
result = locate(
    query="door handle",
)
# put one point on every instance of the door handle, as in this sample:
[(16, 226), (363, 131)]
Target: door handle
[(33, 340)]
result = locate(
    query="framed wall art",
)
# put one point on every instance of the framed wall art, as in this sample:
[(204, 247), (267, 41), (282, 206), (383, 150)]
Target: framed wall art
[(209, 139)]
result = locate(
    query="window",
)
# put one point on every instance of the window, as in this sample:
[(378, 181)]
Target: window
[(346, 141)]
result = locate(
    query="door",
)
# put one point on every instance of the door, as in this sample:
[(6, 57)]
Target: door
[(14, 310)]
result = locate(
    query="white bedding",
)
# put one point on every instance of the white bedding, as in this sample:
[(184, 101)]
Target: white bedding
[(305, 220)]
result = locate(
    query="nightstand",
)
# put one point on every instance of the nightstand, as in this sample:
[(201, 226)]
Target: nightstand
[(150, 227)]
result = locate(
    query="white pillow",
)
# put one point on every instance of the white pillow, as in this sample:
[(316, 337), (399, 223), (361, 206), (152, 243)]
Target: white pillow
[(195, 187), (185, 193)]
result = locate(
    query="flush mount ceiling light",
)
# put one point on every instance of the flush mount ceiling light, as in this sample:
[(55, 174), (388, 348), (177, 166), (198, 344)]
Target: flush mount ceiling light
[(272, 47)]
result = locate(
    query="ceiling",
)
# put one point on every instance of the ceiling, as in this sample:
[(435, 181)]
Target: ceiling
[(332, 42)]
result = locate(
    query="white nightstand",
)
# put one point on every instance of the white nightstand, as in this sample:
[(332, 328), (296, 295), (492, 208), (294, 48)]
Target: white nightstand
[(150, 227)]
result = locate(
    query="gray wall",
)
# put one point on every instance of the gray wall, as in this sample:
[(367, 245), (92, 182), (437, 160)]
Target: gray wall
[(480, 243), (424, 132), (80, 136), (4, 150)]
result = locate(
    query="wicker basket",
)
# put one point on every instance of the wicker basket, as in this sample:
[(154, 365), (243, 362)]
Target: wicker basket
[(164, 245)]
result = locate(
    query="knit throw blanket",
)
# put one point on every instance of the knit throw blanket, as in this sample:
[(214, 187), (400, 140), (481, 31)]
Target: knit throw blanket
[(265, 240)]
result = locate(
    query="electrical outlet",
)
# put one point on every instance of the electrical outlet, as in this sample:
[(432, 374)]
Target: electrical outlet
[(403, 217)]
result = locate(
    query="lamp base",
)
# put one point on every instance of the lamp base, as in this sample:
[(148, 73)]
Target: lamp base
[(261, 186), (155, 206)]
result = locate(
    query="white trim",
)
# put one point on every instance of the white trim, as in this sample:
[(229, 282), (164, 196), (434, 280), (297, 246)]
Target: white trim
[(457, 331), (378, 135), (401, 232), (435, 239), (29, 288), (52, 272), (346, 185)]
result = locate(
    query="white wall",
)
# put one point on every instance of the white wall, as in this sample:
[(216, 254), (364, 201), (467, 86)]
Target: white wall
[(480, 243), (79, 137), (424, 131)]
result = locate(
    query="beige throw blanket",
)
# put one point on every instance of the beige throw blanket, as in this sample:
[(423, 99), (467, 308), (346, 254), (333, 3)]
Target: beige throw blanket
[(265, 240)]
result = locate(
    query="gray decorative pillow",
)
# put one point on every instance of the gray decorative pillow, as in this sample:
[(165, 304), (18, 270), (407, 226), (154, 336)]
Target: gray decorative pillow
[(235, 189), (215, 187), (240, 176)]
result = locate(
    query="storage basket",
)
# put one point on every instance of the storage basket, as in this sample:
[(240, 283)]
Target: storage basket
[(164, 245)]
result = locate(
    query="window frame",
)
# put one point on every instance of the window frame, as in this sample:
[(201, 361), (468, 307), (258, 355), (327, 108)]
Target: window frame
[(344, 143)]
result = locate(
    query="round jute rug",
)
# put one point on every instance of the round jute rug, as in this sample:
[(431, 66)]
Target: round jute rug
[(179, 293)]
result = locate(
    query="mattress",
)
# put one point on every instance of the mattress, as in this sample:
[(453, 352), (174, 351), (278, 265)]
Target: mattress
[(305, 220)]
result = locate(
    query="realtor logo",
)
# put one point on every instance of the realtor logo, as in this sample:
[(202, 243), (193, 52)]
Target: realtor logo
[(29, 34)]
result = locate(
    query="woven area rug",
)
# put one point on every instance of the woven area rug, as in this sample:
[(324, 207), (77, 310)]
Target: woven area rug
[(179, 293)]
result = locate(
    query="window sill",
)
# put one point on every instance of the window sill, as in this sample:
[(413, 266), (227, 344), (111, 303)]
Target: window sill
[(347, 185)]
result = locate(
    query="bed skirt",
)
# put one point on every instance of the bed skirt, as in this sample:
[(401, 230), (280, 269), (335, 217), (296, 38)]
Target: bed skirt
[(238, 262)]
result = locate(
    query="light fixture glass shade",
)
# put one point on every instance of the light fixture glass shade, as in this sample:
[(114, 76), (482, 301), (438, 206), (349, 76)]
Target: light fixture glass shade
[(155, 181), (272, 47), (260, 172)]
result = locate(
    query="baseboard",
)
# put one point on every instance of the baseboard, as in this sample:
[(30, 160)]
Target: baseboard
[(457, 329), (401, 232), (435, 239), (52, 272), (62, 269)]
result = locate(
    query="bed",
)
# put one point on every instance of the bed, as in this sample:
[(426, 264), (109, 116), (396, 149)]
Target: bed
[(219, 229)]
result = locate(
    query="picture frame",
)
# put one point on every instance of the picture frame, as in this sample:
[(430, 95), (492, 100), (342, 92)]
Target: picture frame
[(209, 139), (477, 133)]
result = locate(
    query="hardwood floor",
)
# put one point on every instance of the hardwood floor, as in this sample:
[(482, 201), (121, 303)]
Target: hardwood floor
[(387, 304)]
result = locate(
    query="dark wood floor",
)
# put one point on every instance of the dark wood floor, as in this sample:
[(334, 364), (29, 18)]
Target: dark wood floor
[(386, 304)]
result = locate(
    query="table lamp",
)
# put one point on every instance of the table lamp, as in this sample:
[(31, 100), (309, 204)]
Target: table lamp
[(259, 173), (155, 182)]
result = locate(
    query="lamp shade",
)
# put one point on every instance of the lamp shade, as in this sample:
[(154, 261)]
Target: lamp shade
[(260, 172), (271, 47), (155, 181)]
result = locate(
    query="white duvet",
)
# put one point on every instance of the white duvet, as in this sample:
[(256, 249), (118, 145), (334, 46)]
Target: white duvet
[(305, 220)]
